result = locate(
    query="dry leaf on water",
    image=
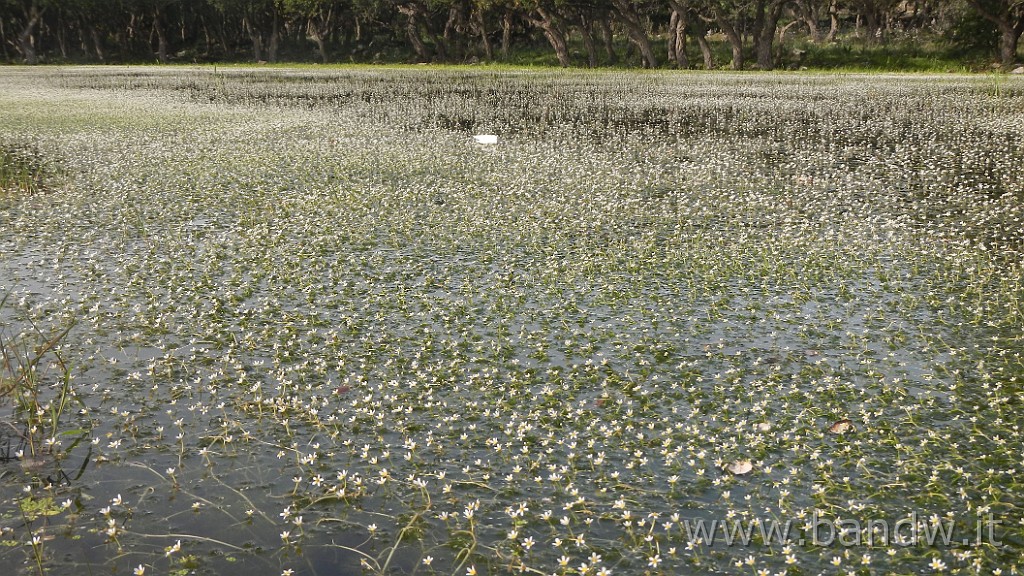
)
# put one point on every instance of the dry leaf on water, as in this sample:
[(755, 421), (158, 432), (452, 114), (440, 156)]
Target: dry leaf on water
[(841, 426)]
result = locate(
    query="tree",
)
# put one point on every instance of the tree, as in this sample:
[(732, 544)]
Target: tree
[(812, 12), (1008, 16), (96, 20), (319, 17), (686, 21), (259, 21), (628, 14), (727, 15), (28, 15), (875, 15), (544, 15), (766, 23), (480, 10), (158, 15), (416, 15), (677, 25)]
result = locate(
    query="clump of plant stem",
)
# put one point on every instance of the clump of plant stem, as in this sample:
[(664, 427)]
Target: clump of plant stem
[(39, 405), (23, 170)]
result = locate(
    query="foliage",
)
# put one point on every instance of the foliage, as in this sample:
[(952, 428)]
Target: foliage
[(607, 31), (974, 33)]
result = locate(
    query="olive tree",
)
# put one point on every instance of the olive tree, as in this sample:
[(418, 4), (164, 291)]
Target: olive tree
[(1008, 16)]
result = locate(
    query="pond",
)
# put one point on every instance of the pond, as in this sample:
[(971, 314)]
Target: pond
[(301, 322)]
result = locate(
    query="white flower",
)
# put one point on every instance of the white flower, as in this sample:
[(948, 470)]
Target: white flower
[(172, 549)]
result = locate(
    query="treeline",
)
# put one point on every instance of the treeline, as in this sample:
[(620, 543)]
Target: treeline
[(651, 33)]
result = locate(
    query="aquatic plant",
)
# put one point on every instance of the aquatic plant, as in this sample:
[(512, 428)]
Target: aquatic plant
[(22, 169), (321, 329)]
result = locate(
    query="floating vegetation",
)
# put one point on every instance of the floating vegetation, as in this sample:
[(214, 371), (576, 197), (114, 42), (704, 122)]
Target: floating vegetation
[(23, 170), (841, 426), (673, 323)]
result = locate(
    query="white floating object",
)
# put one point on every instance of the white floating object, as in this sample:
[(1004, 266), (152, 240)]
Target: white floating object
[(739, 467), (486, 139)]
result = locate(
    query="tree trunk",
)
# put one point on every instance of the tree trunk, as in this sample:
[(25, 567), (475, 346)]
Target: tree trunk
[(700, 33), (506, 33), (412, 31), (554, 33), (755, 32), (26, 38), (275, 39), (608, 39), (767, 26), (3, 40), (321, 47), (440, 46), (677, 39), (1009, 37), (451, 35), (630, 19), (225, 45), (833, 26), (782, 43), (873, 23), (62, 40), (813, 30), (161, 37), (207, 37), (97, 43), (735, 40), (673, 23), (587, 33), (254, 36), (809, 16), (1010, 25), (481, 23), (320, 26)]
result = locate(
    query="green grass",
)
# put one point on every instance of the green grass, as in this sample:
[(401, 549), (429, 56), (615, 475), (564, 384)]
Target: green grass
[(896, 55)]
